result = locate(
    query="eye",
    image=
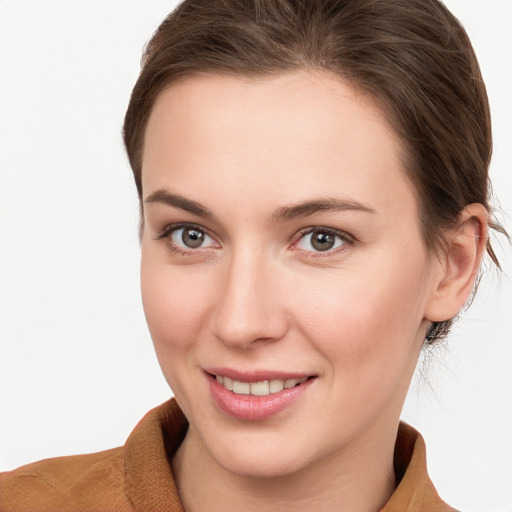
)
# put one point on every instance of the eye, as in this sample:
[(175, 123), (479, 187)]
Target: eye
[(323, 240), (191, 237), (187, 237)]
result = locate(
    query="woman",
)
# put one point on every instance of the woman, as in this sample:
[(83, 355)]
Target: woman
[(313, 188)]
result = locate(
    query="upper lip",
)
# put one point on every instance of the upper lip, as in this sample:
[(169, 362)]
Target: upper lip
[(257, 375)]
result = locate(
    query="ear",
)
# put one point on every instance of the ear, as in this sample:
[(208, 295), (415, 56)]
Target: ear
[(459, 264)]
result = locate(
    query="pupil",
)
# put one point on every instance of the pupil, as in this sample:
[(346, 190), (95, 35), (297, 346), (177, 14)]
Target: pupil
[(192, 238), (322, 241)]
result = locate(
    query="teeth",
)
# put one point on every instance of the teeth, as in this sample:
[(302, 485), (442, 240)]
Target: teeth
[(228, 383), (276, 386), (290, 383), (262, 388), (241, 388)]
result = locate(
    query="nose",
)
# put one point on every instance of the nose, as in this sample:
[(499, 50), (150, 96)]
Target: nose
[(248, 307)]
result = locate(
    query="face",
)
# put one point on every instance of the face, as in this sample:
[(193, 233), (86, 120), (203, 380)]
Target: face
[(284, 277)]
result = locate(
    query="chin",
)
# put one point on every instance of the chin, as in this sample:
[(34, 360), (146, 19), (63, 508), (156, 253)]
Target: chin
[(261, 465), (256, 457)]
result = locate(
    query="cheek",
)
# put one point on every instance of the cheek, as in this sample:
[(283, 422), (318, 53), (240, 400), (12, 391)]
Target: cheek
[(175, 303), (365, 318)]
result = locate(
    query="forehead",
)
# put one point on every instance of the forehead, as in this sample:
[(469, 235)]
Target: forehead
[(294, 134)]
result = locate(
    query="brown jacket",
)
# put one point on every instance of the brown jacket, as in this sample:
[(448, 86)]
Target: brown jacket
[(138, 477)]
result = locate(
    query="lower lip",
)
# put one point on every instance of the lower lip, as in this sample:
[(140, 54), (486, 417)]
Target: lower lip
[(252, 407)]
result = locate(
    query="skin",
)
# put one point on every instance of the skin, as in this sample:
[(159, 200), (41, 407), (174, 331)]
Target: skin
[(258, 296)]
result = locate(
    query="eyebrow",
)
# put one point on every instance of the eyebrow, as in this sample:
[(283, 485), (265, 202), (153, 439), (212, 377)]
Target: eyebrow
[(282, 214), (165, 197), (319, 205)]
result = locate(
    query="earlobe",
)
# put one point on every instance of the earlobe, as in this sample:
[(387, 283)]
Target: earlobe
[(459, 264)]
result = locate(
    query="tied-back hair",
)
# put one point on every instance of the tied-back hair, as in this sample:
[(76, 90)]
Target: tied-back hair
[(412, 57)]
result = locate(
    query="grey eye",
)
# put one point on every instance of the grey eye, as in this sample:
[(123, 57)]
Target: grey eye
[(320, 240), (190, 238)]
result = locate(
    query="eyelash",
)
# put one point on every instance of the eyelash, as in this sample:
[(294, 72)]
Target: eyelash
[(346, 239), (167, 235)]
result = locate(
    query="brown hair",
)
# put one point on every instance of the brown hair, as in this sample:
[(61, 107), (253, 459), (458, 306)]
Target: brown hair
[(412, 57)]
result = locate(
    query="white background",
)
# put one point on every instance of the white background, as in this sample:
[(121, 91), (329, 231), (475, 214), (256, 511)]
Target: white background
[(77, 370)]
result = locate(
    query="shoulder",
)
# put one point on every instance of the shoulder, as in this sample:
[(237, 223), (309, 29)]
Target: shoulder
[(136, 476), (80, 482)]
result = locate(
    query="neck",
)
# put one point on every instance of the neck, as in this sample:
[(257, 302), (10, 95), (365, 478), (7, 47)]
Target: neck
[(357, 478)]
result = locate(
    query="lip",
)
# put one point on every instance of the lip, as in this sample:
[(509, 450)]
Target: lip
[(252, 407)]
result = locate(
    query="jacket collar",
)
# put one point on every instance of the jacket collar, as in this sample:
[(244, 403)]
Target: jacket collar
[(151, 487)]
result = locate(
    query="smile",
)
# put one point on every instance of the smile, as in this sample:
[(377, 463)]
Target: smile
[(261, 388), (256, 396)]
